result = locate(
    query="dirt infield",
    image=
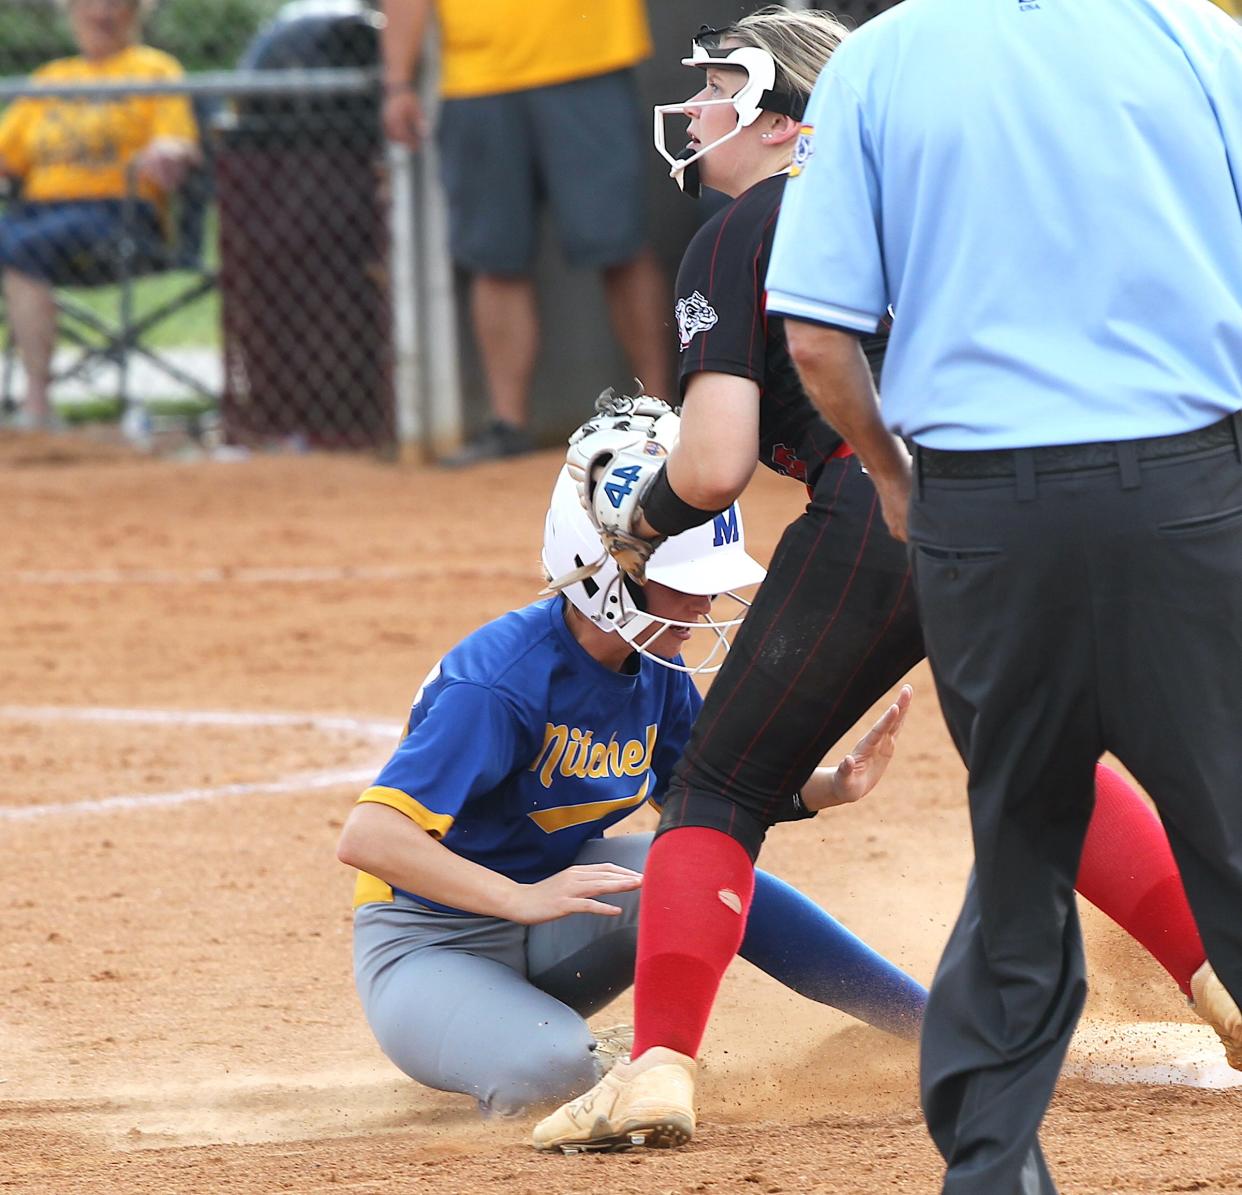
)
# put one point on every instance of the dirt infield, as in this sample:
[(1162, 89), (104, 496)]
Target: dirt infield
[(200, 663)]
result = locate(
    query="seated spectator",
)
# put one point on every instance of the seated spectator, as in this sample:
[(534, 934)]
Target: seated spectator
[(73, 160)]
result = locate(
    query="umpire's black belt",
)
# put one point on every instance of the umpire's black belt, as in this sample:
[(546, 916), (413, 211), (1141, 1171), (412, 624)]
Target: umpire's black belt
[(1069, 458)]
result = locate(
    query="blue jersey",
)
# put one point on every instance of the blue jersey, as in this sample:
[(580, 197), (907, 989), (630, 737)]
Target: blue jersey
[(521, 746)]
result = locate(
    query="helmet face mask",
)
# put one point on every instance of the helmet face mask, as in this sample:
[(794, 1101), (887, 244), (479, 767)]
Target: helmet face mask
[(756, 95), (708, 560)]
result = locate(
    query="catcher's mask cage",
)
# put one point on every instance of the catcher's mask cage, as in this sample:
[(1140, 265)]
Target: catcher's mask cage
[(757, 94), (710, 560)]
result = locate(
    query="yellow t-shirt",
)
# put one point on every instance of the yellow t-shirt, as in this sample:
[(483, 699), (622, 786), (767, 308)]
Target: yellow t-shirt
[(493, 46), (66, 149)]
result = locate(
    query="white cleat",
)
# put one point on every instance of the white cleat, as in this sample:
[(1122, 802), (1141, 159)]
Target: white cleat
[(1211, 1000), (648, 1102)]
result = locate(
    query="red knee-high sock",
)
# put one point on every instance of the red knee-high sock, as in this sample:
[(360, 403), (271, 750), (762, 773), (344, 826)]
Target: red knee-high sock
[(697, 888), (1128, 872)]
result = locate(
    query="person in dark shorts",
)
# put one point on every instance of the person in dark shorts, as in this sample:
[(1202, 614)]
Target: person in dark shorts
[(539, 107), (833, 627)]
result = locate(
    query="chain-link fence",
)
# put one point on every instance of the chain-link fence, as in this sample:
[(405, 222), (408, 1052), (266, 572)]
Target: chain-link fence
[(209, 247)]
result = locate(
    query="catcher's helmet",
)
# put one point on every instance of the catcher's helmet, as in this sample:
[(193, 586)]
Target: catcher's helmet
[(710, 559)]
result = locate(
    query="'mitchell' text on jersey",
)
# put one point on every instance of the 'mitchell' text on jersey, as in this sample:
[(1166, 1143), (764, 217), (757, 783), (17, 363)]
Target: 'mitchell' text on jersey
[(571, 752)]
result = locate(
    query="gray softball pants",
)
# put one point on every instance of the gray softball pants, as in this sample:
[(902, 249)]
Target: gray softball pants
[(490, 1008)]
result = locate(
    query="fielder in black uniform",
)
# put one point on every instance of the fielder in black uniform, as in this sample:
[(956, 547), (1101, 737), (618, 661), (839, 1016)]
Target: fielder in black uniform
[(835, 625), (832, 628)]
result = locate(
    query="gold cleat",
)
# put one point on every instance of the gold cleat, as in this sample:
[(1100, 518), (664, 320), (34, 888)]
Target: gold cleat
[(648, 1102), (1216, 1006)]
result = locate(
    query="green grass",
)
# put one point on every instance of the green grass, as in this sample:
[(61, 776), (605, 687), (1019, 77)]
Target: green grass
[(108, 410), (194, 326)]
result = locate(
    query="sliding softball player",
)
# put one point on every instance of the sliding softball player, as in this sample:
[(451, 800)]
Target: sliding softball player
[(492, 915)]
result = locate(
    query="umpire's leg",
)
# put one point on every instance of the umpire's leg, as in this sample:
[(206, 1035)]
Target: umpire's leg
[(1171, 630), (1000, 584)]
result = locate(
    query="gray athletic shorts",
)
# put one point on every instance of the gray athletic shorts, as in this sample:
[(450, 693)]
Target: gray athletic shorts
[(581, 146), (490, 1008)]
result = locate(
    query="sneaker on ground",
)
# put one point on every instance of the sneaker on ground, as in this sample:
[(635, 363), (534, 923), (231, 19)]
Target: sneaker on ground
[(649, 1101), (497, 441), (1216, 1006)]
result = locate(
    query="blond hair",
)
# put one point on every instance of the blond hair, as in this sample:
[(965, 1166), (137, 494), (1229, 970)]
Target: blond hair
[(800, 40)]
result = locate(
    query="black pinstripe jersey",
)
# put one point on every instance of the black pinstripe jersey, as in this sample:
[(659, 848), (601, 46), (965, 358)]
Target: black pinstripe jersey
[(723, 328)]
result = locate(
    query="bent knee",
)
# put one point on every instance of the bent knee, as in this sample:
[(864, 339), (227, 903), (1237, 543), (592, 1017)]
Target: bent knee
[(541, 1081)]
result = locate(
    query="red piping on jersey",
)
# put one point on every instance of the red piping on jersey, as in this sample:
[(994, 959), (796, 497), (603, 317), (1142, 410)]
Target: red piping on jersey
[(849, 584), (761, 295), (711, 277), (775, 619), (879, 638)]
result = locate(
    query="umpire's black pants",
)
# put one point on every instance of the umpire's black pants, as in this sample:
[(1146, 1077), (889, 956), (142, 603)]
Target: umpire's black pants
[(1070, 610)]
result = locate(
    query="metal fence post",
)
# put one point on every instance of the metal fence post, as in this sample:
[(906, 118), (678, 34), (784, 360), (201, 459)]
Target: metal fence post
[(409, 365), (442, 376)]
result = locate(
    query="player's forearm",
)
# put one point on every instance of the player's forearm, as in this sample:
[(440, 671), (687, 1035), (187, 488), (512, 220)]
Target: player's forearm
[(384, 843), (405, 26), (836, 375), (717, 448)]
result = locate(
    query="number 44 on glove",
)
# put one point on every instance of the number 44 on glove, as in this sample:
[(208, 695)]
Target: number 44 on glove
[(614, 457)]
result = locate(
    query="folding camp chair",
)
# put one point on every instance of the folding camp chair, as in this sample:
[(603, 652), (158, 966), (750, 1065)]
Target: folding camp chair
[(99, 341)]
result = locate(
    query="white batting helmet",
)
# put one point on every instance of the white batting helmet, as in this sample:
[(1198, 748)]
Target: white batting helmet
[(710, 559)]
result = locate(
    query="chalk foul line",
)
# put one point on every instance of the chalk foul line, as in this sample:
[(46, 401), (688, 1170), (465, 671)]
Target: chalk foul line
[(299, 782)]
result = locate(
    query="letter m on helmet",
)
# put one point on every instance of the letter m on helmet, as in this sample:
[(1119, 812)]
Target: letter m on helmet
[(726, 527)]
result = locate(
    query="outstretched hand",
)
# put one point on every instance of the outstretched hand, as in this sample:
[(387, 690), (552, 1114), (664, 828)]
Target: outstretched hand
[(573, 891), (862, 769)]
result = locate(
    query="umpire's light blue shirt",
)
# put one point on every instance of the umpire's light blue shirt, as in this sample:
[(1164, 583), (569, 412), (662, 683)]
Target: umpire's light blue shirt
[(1049, 194)]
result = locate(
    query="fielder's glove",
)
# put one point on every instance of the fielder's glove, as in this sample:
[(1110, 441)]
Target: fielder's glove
[(614, 457)]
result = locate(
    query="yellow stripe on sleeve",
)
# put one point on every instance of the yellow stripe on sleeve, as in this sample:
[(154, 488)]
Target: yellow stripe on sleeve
[(436, 824), (369, 889)]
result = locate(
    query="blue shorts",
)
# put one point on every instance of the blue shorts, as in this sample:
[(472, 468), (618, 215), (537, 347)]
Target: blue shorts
[(581, 146), (75, 243)]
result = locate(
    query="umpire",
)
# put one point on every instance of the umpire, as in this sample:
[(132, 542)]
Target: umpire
[(1048, 194)]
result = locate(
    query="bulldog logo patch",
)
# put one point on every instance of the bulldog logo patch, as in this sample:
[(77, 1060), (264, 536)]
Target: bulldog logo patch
[(694, 315)]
